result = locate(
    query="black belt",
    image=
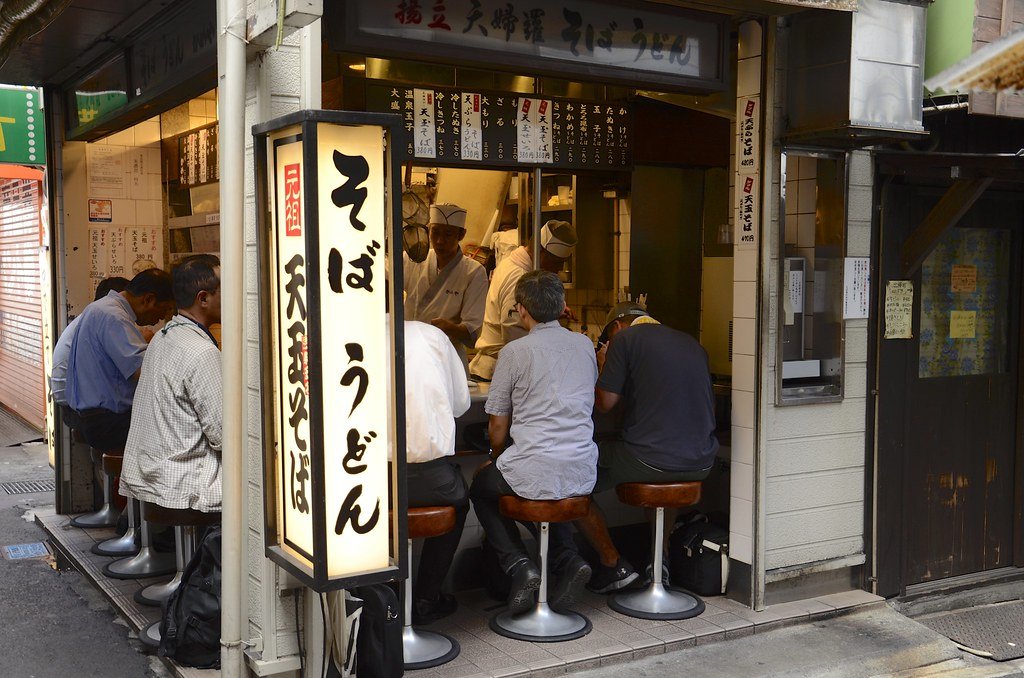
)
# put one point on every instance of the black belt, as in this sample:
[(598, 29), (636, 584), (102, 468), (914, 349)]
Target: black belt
[(95, 411)]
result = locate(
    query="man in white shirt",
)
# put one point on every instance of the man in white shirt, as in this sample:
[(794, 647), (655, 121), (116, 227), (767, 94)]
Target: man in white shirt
[(435, 393), (172, 457), (447, 289), (501, 321)]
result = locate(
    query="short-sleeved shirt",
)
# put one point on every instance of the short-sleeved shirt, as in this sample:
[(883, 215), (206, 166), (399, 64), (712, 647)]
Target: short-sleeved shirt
[(59, 371), (545, 380), (501, 322), (669, 406), (106, 351)]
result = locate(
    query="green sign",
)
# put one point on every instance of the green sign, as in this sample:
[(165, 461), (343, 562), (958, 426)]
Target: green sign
[(94, 105), (21, 126)]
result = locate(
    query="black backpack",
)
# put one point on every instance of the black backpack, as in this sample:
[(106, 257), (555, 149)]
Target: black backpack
[(379, 652), (190, 624), (699, 555)]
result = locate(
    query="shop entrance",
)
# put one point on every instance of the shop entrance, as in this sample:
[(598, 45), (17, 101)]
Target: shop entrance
[(947, 422)]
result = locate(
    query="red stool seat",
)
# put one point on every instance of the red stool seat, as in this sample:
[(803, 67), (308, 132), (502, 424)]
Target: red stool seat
[(544, 510), (431, 521), (112, 463), (161, 515), (659, 495)]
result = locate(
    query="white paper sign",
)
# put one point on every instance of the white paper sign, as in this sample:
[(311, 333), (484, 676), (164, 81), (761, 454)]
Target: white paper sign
[(472, 131), (124, 251), (533, 130), (899, 308), (748, 135), (796, 291), (748, 198), (107, 171), (424, 137), (856, 287)]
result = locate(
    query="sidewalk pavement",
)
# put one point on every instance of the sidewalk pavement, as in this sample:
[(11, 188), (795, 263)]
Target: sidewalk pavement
[(871, 641)]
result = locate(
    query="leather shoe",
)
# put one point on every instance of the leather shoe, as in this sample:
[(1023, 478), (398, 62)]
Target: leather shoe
[(571, 578), (426, 611), (525, 582)]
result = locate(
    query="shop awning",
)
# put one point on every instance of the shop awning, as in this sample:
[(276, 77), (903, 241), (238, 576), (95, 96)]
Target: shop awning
[(996, 67)]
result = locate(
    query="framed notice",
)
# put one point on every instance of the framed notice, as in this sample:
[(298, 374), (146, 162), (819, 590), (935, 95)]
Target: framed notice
[(100, 211)]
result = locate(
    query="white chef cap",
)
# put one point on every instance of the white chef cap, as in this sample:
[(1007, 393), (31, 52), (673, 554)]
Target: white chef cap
[(558, 238), (445, 213)]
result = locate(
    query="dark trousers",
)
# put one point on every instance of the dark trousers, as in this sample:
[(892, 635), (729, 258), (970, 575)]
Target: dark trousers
[(502, 533), (437, 482), (105, 430)]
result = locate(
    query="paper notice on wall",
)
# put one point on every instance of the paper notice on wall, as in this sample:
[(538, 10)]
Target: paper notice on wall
[(963, 278), (962, 324), (107, 172), (748, 133), (100, 211), (856, 287), (899, 309), (424, 138), (533, 130), (472, 130), (124, 252), (748, 210), (796, 291)]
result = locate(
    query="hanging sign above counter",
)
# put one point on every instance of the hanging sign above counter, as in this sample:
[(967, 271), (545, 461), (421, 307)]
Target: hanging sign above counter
[(480, 127)]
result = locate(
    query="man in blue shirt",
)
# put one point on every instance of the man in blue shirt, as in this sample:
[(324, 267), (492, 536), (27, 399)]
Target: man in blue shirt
[(106, 356)]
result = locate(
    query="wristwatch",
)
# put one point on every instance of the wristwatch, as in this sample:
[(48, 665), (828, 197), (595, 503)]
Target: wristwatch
[(492, 455)]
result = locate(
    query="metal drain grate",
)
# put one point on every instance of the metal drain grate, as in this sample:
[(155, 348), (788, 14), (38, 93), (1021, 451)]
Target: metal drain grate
[(28, 486)]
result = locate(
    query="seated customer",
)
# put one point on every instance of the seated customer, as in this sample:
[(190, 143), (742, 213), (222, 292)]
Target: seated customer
[(435, 393), (660, 375), (543, 394), (58, 373), (172, 458)]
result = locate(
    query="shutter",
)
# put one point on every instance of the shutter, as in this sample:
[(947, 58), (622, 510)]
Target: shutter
[(22, 389)]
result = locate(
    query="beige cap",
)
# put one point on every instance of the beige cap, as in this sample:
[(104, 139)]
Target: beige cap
[(446, 213), (558, 238)]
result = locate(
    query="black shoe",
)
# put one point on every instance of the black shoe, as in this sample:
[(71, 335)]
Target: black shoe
[(571, 577), (525, 582), (649, 574), (429, 611), (608, 579)]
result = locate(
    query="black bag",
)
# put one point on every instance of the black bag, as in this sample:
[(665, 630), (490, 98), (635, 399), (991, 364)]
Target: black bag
[(190, 624), (699, 555), (379, 651)]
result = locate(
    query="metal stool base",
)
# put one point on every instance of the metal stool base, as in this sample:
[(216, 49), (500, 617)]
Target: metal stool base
[(426, 649), (117, 546), (147, 563), (541, 625), (105, 517), (150, 636), (657, 602), (155, 594)]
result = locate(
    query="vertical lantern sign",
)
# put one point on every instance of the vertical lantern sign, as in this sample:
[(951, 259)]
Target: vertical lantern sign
[(354, 361), (332, 355)]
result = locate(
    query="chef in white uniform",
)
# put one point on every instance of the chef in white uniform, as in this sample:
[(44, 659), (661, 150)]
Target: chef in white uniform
[(447, 289), (501, 321)]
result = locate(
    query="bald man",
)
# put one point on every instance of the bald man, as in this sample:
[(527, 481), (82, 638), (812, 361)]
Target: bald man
[(447, 289)]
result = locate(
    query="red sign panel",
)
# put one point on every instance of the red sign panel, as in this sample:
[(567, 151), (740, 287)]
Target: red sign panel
[(293, 200)]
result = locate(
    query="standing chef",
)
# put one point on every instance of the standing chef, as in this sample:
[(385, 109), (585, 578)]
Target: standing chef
[(501, 320), (447, 289)]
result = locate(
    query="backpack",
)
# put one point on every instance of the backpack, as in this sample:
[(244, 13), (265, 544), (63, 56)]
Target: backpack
[(190, 623), (379, 652), (699, 555)]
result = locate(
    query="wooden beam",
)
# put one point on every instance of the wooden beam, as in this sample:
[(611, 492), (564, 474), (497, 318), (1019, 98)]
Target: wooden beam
[(952, 206)]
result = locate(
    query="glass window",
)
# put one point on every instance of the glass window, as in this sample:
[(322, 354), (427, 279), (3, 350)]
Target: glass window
[(810, 330)]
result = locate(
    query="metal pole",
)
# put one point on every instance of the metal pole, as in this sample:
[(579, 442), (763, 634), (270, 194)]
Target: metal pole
[(231, 113), (659, 541), (536, 219), (542, 595)]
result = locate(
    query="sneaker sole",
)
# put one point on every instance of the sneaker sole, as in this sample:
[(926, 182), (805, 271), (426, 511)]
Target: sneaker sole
[(617, 585), (568, 596), (523, 599)]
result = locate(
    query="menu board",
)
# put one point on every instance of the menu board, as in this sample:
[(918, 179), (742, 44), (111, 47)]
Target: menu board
[(469, 127), (197, 156), (123, 251)]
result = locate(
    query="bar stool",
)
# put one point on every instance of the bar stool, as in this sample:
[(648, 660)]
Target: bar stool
[(108, 515), (147, 563), (125, 544), (658, 601), (424, 649), (185, 522), (542, 624)]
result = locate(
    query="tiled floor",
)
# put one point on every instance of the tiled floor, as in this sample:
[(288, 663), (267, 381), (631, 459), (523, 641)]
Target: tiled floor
[(75, 544), (614, 638)]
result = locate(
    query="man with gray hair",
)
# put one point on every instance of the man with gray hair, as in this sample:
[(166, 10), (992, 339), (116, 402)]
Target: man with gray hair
[(542, 437), (501, 322)]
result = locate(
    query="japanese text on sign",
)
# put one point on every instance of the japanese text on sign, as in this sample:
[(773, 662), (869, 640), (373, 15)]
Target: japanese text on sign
[(856, 287), (899, 308)]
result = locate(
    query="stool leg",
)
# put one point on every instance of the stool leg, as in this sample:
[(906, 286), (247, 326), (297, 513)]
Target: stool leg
[(148, 563), (423, 649), (155, 594), (108, 514), (125, 544), (541, 624), (657, 601)]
